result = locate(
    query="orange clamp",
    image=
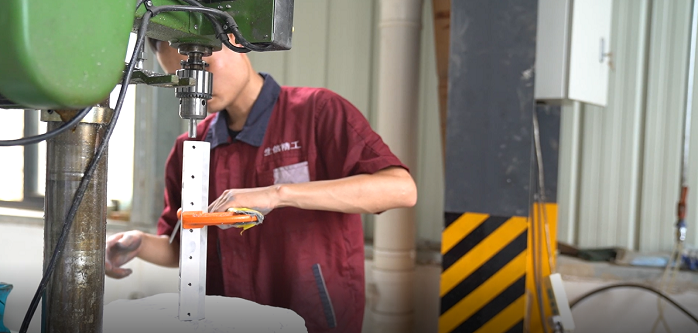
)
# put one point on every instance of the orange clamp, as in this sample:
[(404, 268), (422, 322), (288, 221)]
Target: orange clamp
[(198, 219)]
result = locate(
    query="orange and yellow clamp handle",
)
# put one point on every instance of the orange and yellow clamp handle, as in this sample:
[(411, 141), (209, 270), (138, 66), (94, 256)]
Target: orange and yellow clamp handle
[(198, 219)]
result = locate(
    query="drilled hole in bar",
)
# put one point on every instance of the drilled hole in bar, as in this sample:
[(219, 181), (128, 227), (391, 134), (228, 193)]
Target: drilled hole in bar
[(191, 230), (192, 176), (190, 257), (190, 284)]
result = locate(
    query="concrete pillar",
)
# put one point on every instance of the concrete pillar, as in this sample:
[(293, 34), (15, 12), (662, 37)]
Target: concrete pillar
[(398, 90)]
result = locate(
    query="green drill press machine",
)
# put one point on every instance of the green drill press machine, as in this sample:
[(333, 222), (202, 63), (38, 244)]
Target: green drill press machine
[(63, 58)]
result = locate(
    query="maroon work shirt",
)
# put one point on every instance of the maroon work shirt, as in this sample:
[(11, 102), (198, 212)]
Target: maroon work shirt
[(311, 262)]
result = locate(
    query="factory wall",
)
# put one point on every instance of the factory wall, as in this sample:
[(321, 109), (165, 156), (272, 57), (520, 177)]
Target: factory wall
[(335, 45), (620, 164)]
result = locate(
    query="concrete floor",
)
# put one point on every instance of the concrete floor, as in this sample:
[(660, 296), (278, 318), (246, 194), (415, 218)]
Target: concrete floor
[(621, 310), (625, 309)]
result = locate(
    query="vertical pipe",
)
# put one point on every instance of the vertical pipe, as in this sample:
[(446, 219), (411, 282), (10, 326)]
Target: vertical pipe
[(73, 300), (398, 84), (638, 141), (442, 34), (690, 81), (31, 154)]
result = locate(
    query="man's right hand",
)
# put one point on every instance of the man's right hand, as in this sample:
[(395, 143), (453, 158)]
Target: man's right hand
[(121, 248)]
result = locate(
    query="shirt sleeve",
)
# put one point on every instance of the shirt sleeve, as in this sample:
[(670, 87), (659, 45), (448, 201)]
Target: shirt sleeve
[(346, 143), (173, 188)]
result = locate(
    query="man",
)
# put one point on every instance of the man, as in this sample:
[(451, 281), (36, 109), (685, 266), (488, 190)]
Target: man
[(309, 161)]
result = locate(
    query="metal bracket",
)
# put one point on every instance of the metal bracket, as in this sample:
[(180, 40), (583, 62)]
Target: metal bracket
[(192, 259), (160, 80)]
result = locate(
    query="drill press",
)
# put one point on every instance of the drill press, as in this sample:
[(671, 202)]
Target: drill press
[(76, 66)]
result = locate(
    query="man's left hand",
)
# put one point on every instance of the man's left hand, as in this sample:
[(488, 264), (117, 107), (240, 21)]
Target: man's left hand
[(262, 199)]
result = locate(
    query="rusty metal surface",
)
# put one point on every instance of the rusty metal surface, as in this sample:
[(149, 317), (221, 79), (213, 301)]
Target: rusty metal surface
[(74, 298)]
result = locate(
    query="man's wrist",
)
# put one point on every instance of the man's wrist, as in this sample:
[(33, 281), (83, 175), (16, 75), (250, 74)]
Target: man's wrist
[(280, 196)]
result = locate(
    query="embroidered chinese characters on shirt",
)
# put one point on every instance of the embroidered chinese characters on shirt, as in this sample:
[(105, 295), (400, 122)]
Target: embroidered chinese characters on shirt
[(286, 146)]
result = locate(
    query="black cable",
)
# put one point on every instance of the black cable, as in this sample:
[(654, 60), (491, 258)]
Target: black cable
[(220, 33), (82, 188), (48, 135), (230, 22), (639, 286)]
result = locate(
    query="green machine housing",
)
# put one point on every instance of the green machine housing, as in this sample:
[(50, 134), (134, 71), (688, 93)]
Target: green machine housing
[(69, 54)]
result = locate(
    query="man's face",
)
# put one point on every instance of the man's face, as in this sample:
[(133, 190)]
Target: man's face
[(229, 69)]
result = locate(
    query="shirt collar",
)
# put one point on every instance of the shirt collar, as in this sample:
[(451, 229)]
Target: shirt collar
[(258, 119)]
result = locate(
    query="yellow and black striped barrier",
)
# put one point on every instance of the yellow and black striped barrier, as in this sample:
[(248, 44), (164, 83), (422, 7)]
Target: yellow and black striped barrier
[(483, 282), (487, 268)]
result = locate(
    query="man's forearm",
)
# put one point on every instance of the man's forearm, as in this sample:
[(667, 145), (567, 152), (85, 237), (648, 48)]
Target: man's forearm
[(386, 189), (158, 250)]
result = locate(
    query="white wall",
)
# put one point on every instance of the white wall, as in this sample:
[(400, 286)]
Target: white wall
[(620, 165)]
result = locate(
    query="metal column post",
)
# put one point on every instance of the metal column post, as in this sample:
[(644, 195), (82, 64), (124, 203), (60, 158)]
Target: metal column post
[(491, 175), (74, 298)]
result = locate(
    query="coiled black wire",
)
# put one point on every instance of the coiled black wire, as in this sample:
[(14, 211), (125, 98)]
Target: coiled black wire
[(638, 286)]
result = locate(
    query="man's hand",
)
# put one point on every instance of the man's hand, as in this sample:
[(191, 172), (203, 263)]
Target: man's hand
[(262, 199), (121, 248)]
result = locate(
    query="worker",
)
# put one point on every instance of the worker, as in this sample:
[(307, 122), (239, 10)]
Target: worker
[(309, 161)]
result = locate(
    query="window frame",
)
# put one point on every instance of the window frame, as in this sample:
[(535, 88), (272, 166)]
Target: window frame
[(31, 199)]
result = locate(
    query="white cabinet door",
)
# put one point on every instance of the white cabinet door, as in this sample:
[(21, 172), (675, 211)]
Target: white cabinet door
[(589, 51)]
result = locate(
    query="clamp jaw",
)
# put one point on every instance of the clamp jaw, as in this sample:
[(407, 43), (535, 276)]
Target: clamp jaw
[(236, 218)]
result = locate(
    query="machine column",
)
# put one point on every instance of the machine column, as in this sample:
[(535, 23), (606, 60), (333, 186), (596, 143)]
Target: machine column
[(74, 298)]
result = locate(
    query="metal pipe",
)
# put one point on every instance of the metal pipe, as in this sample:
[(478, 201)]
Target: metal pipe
[(398, 88), (638, 124), (74, 298), (681, 228)]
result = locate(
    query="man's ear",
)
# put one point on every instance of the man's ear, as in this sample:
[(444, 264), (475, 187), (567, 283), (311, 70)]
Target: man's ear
[(231, 37)]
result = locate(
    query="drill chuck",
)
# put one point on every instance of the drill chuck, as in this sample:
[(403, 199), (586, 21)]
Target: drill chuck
[(193, 99)]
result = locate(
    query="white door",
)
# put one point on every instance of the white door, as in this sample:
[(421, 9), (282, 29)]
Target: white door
[(590, 58)]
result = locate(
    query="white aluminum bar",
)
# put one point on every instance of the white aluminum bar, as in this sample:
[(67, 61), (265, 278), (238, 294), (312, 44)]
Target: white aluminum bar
[(192, 259)]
